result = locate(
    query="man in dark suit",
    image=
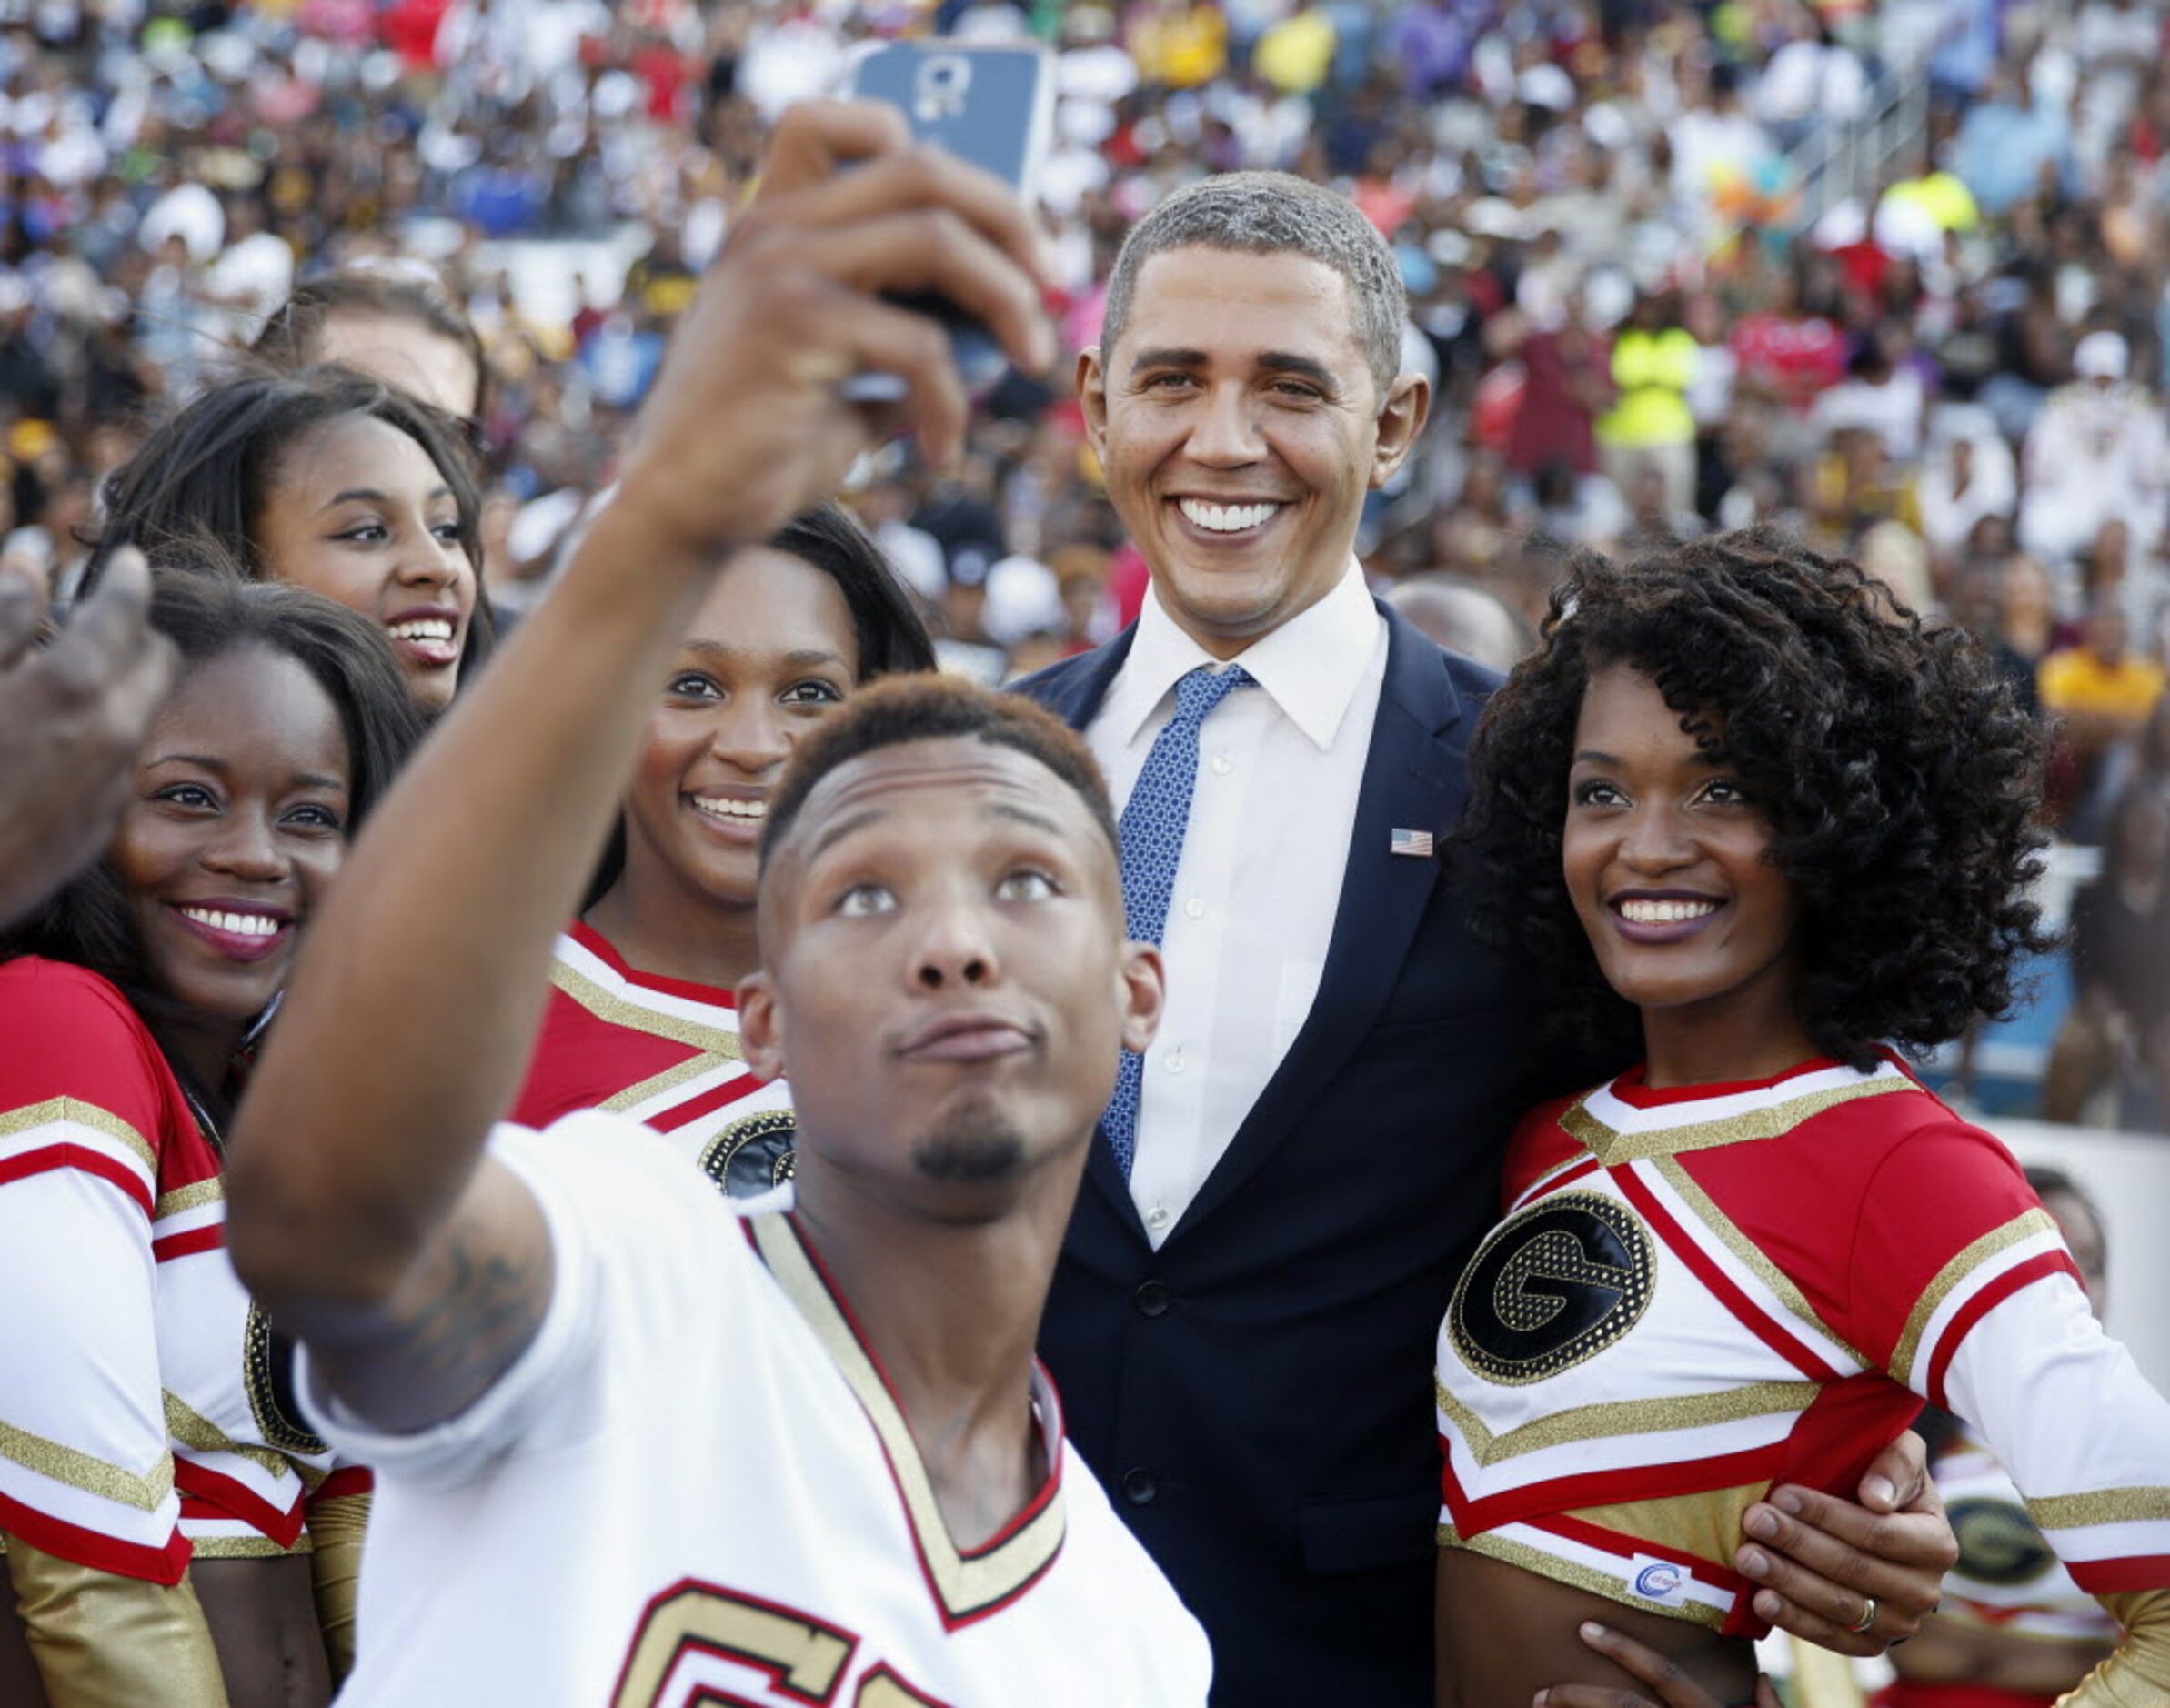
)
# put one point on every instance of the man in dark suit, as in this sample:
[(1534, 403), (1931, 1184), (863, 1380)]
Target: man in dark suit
[(1288, 1182)]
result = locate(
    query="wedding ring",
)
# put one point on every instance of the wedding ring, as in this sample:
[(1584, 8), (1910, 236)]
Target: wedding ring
[(1868, 1615)]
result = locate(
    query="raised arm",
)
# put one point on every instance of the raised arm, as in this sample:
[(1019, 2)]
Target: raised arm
[(363, 1212)]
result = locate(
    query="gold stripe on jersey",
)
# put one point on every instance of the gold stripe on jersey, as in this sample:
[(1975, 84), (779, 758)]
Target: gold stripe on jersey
[(75, 1110), (1495, 1546), (79, 1470), (669, 1079), (188, 1197), (2100, 1506), (200, 1434), (1609, 1145), (2023, 1227), (1706, 1524), (965, 1583), (1706, 1210), (618, 1010), (1624, 1417), (247, 1547)]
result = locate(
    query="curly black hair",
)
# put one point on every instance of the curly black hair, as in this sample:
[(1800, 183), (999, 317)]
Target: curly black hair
[(1900, 780)]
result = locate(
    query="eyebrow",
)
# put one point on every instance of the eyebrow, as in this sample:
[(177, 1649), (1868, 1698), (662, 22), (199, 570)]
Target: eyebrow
[(801, 659), (843, 827), (369, 495), (205, 762), (1591, 755), (1268, 361)]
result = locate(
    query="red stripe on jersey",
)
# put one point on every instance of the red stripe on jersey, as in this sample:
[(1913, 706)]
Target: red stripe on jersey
[(207, 1493), (2121, 1577), (189, 1241), (716, 1097), (1543, 1501), (345, 1479), (1753, 1317), (49, 1159), (1992, 1295), (601, 948), (95, 1549)]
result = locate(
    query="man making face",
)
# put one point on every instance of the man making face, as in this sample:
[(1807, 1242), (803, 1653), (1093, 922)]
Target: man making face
[(1288, 1178), (807, 1453)]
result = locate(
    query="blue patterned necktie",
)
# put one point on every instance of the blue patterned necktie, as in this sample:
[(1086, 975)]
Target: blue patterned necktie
[(1154, 822)]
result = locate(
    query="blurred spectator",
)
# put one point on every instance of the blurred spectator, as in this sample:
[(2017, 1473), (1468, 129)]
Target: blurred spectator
[(2097, 453), (2118, 1028), (1655, 362), (2100, 692)]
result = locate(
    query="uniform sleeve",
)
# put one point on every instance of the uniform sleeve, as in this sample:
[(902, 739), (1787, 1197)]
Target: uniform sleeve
[(85, 1471), (106, 1641), (2002, 1335), (634, 1236)]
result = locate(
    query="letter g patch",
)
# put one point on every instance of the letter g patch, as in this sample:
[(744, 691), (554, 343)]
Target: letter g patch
[(1551, 1287)]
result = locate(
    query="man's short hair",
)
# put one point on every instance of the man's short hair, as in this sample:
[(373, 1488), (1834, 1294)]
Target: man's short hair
[(929, 708), (1272, 213)]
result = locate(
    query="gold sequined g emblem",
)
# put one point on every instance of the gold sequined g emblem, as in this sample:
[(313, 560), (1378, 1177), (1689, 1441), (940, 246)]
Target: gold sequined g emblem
[(753, 1154), (1551, 1287)]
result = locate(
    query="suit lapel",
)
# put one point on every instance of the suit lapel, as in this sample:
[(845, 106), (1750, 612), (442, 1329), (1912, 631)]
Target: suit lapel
[(1413, 779), (1073, 692)]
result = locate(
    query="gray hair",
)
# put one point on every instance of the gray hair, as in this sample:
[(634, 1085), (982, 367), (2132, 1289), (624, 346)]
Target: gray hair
[(1271, 213)]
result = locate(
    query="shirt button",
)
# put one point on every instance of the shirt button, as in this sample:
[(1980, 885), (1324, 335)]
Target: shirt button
[(1157, 1217), (1151, 1299), (1138, 1488), (1176, 1063), (1222, 764), (1194, 909)]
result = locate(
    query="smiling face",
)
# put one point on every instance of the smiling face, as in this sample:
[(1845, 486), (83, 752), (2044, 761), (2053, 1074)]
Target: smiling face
[(1240, 429), (944, 976), (358, 511), (1666, 861), (769, 653), (237, 823)]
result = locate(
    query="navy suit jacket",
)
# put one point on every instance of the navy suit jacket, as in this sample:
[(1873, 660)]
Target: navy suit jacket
[(1256, 1394)]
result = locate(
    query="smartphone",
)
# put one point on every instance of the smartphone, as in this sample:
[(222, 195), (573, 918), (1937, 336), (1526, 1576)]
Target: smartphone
[(992, 105)]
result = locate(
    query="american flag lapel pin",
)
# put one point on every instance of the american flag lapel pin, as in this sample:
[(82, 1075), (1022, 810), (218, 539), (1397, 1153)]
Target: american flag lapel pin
[(1416, 844)]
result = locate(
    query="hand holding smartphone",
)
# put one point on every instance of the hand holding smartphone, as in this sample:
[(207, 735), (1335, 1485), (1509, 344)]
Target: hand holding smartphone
[(991, 106)]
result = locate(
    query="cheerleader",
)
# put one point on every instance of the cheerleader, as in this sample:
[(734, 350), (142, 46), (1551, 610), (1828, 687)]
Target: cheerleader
[(1744, 809), (155, 1487), (337, 483), (641, 1017)]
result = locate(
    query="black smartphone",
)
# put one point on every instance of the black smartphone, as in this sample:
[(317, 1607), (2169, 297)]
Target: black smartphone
[(992, 105)]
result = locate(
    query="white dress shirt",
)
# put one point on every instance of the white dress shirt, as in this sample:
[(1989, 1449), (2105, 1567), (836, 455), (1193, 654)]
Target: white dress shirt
[(1259, 880)]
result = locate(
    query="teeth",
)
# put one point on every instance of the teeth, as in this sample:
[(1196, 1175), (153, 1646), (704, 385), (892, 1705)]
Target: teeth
[(422, 629), (1664, 912), (1225, 518), (239, 924), (723, 808)]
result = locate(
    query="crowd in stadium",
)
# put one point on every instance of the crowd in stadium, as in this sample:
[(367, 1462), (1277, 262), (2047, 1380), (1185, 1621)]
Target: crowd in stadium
[(1760, 409)]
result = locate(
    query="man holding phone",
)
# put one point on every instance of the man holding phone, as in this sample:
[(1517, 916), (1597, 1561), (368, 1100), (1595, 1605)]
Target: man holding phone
[(632, 1447)]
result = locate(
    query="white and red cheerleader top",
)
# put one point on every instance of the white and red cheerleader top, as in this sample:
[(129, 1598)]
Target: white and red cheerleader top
[(664, 1051), (1699, 1292), (144, 1408)]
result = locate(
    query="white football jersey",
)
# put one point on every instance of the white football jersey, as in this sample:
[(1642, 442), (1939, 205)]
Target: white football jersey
[(696, 1486)]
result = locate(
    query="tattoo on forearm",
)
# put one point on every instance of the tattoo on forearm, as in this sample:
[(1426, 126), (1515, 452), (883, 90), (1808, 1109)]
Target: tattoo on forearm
[(476, 1319)]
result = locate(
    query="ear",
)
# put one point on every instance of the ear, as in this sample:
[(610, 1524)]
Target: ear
[(761, 1026), (1145, 995), (1092, 397), (1401, 423)]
